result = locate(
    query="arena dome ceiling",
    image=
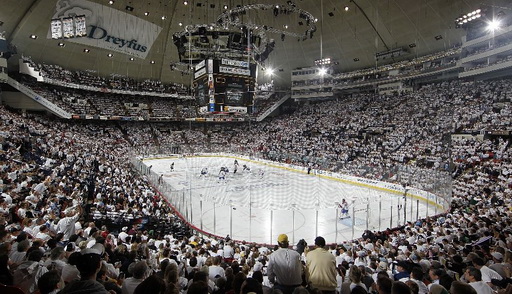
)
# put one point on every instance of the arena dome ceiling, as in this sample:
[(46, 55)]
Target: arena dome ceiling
[(350, 32)]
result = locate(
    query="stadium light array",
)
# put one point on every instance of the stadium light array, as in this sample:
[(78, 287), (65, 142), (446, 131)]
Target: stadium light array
[(465, 18), (323, 61)]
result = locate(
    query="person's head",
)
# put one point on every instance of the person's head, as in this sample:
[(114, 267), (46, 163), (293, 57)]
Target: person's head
[(258, 275), (472, 274), (384, 285), (358, 290), (140, 269), (282, 241), (478, 262), (23, 246), (298, 290), (417, 273), (221, 282), (497, 257), (413, 286), (88, 265), (57, 253), (355, 274), (217, 260), (400, 288), (49, 281), (459, 287), (201, 276), (251, 285), (320, 242), (152, 284), (198, 287), (437, 289), (434, 273), (238, 281), (402, 266), (445, 280), (35, 255), (171, 274), (163, 264)]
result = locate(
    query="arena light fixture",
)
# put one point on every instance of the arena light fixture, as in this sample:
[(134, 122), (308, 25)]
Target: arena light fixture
[(111, 2), (468, 17), (322, 71), (269, 71), (146, 13), (132, 59), (33, 36), (323, 61), (493, 25), (110, 55), (61, 44), (87, 50), (346, 8)]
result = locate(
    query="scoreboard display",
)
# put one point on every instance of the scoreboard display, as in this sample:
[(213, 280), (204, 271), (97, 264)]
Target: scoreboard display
[(225, 84)]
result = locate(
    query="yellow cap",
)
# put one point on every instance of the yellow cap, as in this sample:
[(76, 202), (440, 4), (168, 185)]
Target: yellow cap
[(282, 238)]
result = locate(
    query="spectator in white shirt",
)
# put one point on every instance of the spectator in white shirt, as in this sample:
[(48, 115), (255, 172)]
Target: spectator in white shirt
[(474, 277)]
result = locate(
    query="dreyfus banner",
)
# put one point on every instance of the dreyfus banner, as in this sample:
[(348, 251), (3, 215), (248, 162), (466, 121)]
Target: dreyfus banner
[(109, 28)]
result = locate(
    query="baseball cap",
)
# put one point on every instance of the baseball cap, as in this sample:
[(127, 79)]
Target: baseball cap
[(282, 238), (497, 255)]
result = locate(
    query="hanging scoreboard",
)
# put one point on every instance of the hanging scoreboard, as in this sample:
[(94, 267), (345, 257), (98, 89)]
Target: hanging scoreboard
[(225, 85)]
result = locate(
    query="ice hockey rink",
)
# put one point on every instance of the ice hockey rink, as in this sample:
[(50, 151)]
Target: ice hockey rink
[(266, 199)]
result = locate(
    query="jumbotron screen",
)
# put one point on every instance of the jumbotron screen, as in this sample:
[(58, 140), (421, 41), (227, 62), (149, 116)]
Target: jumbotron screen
[(233, 90)]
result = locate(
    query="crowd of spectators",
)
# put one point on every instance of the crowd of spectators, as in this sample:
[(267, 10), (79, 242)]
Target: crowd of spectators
[(82, 102), (115, 82), (486, 63), (76, 216), (419, 63)]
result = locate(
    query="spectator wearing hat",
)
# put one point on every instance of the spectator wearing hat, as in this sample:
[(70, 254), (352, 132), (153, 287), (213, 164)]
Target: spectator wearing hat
[(284, 267), (321, 268), (498, 265), (122, 235), (402, 271)]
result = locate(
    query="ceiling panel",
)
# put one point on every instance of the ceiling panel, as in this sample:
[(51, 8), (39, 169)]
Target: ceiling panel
[(343, 36)]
